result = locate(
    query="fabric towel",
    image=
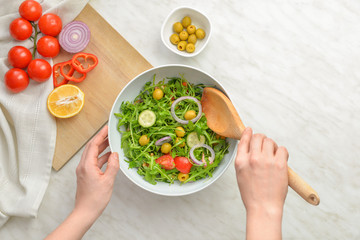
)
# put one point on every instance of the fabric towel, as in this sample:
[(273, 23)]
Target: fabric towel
[(27, 130)]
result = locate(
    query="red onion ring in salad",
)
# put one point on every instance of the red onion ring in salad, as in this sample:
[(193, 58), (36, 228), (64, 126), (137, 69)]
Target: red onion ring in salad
[(185, 121), (74, 37), (163, 140), (200, 163)]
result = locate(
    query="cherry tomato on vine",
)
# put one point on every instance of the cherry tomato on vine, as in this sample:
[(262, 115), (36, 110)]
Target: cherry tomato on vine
[(182, 164), (20, 29), (39, 70), (30, 10), (16, 80), (48, 46), (19, 57), (50, 24)]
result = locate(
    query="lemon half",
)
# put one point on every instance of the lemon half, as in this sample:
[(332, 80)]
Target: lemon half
[(65, 101)]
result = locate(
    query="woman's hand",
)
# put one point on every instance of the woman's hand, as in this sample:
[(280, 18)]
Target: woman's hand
[(94, 187), (261, 170)]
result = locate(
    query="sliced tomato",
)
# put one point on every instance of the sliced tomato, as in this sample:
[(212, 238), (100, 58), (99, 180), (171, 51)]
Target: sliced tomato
[(182, 164), (166, 161)]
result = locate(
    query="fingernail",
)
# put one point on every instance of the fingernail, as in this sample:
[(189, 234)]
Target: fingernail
[(116, 156)]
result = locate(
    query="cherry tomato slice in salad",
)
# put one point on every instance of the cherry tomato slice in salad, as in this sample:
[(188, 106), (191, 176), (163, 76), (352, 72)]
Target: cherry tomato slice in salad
[(166, 161), (183, 164)]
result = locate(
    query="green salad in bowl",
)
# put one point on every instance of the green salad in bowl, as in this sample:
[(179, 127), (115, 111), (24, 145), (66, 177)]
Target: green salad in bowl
[(166, 136), (158, 128)]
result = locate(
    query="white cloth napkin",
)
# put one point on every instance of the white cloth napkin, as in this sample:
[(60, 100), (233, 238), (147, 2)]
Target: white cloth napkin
[(27, 130)]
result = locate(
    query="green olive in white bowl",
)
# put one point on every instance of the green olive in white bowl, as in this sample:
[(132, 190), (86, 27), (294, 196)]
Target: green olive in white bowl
[(198, 19)]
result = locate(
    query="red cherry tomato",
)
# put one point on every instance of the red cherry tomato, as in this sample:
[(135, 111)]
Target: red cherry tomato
[(50, 24), (20, 29), (16, 80), (48, 46), (39, 70), (182, 164), (19, 57), (166, 161), (30, 10)]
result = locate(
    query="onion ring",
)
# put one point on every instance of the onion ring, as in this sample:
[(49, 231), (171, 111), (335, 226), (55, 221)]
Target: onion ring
[(163, 140), (200, 163), (173, 105)]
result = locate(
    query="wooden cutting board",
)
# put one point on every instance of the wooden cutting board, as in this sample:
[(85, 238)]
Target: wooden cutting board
[(118, 63)]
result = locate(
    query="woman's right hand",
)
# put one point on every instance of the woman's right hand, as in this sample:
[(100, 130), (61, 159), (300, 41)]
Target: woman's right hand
[(262, 176)]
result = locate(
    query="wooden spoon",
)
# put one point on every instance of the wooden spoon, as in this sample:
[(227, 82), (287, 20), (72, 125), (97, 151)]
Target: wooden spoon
[(223, 119)]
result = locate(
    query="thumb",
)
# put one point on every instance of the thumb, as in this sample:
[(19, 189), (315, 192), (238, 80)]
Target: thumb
[(113, 165)]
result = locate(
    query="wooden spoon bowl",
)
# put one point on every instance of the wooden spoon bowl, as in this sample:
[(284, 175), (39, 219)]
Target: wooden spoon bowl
[(224, 120)]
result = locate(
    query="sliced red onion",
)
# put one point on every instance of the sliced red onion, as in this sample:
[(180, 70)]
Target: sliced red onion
[(181, 120), (163, 140), (74, 37), (200, 162)]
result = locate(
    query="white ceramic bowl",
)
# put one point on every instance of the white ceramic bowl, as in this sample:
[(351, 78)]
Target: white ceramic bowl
[(198, 19), (131, 90)]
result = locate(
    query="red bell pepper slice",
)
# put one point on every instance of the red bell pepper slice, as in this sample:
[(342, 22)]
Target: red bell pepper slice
[(71, 74), (84, 62), (57, 76)]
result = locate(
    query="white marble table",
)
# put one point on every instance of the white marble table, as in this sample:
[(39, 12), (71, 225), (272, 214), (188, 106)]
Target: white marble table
[(292, 69)]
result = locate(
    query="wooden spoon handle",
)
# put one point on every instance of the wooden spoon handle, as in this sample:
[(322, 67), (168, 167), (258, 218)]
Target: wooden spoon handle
[(223, 119), (302, 188)]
